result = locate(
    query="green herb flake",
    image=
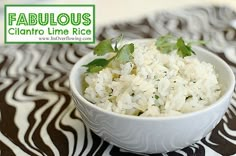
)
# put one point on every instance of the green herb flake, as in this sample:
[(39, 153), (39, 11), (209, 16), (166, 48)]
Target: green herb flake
[(156, 97), (139, 113), (188, 97)]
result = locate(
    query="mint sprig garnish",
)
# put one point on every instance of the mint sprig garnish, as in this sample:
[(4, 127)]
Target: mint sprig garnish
[(168, 43), (122, 55)]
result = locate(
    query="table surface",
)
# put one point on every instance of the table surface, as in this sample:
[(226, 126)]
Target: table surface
[(38, 116)]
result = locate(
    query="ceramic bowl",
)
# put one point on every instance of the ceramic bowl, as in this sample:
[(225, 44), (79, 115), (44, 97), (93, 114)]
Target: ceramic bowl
[(153, 134)]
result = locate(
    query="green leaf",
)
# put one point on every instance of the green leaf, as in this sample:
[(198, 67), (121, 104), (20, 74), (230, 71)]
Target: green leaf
[(125, 53), (94, 69), (97, 65), (169, 43), (183, 50), (103, 47), (121, 55), (117, 40), (166, 44)]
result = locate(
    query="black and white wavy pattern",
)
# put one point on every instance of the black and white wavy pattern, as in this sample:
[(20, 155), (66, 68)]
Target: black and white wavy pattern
[(38, 117)]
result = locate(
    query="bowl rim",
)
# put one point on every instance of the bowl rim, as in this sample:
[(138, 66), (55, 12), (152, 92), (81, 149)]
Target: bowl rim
[(227, 93)]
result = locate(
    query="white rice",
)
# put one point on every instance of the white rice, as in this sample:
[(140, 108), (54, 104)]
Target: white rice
[(154, 84)]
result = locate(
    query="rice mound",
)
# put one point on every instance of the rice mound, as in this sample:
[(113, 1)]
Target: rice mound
[(154, 84)]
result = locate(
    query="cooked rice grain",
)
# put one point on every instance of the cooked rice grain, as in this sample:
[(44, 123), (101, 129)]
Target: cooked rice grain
[(154, 84)]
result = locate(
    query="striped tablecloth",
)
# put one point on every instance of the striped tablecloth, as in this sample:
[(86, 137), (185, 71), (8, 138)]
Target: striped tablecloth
[(38, 116)]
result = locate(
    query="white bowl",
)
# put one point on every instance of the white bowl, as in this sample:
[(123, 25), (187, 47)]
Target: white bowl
[(153, 134)]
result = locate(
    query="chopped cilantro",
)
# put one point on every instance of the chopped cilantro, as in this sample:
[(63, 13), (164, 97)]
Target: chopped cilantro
[(123, 54), (169, 43), (156, 97)]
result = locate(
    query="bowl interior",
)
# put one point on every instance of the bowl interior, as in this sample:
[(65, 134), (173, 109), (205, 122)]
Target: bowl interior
[(226, 76), (129, 132)]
